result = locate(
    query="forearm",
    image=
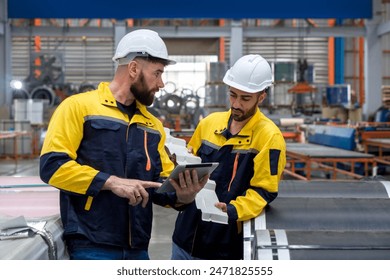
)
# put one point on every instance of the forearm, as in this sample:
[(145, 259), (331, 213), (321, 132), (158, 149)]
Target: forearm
[(246, 207), (66, 174)]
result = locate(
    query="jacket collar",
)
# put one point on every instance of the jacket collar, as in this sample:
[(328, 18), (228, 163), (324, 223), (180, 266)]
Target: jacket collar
[(107, 98), (245, 133), (105, 95)]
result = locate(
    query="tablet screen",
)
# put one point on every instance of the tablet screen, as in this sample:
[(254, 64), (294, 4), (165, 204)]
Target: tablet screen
[(202, 169)]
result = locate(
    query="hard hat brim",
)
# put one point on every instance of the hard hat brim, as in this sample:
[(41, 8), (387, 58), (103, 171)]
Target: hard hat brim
[(255, 89)]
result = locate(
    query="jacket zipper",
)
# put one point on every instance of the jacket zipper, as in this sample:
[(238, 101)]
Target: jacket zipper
[(234, 170), (148, 164)]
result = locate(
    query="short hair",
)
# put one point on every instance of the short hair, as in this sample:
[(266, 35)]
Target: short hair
[(153, 59)]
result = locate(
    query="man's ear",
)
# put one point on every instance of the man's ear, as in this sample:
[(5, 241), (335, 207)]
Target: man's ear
[(132, 67), (262, 97)]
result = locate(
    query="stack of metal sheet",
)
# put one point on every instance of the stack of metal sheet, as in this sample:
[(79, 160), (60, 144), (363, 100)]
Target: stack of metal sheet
[(30, 224), (323, 220), (31, 239)]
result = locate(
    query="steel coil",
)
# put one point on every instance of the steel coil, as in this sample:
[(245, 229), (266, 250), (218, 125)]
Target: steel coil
[(44, 92)]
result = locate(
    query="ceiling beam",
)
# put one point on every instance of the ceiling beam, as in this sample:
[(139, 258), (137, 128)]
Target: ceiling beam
[(197, 32)]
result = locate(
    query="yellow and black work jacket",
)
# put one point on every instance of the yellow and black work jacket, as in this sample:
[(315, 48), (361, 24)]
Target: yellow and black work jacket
[(250, 167), (89, 139)]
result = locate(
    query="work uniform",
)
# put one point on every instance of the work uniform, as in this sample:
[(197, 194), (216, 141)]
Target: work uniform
[(250, 167), (89, 139)]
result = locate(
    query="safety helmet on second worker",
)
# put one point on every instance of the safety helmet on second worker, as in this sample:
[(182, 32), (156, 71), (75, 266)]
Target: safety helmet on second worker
[(251, 73), (141, 42)]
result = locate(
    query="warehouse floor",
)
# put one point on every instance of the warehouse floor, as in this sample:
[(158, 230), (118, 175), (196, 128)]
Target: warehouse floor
[(164, 218)]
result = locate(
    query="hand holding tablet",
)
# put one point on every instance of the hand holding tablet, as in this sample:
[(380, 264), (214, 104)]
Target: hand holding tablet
[(202, 169)]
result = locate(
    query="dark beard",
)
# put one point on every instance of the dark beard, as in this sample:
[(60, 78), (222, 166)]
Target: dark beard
[(246, 116), (141, 93)]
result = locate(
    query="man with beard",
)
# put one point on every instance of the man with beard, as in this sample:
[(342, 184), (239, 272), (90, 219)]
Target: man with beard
[(251, 152), (105, 153)]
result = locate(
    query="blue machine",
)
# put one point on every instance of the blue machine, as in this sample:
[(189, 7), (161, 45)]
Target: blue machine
[(339, 95), (333, 136), (382, 115), (337, 137)]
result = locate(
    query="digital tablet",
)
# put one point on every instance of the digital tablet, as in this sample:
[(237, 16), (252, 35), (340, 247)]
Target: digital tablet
[(202, 169)]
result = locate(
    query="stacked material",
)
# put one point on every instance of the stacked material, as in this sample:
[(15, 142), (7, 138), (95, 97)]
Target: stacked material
[(323, 220), (30, 224), (32, 239)]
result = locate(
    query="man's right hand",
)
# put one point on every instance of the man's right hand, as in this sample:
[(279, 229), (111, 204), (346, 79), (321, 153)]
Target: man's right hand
[(132, 189)]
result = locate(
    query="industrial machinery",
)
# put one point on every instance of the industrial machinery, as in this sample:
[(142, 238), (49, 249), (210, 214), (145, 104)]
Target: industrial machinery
[(333, 136), (340, 103), (46, 80), (358, 138), (178, 108), (303, 86)]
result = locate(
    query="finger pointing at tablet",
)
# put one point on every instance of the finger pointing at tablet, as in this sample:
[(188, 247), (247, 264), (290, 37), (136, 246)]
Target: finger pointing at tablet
[(132, 189)]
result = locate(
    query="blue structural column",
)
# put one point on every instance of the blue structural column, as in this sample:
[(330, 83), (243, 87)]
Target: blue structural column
[(339, 57)]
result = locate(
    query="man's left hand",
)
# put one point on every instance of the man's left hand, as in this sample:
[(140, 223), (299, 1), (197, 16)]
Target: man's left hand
[(188, 186)]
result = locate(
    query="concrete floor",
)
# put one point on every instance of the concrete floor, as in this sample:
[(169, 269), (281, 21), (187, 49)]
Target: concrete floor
[(164, 218)]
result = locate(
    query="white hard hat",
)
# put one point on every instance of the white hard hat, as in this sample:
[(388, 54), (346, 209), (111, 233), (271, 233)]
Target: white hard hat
[(141, 42), (251, 73)]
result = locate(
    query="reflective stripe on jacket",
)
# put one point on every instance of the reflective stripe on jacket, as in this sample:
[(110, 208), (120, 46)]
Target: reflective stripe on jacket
[(88, 139), (250, 167)]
